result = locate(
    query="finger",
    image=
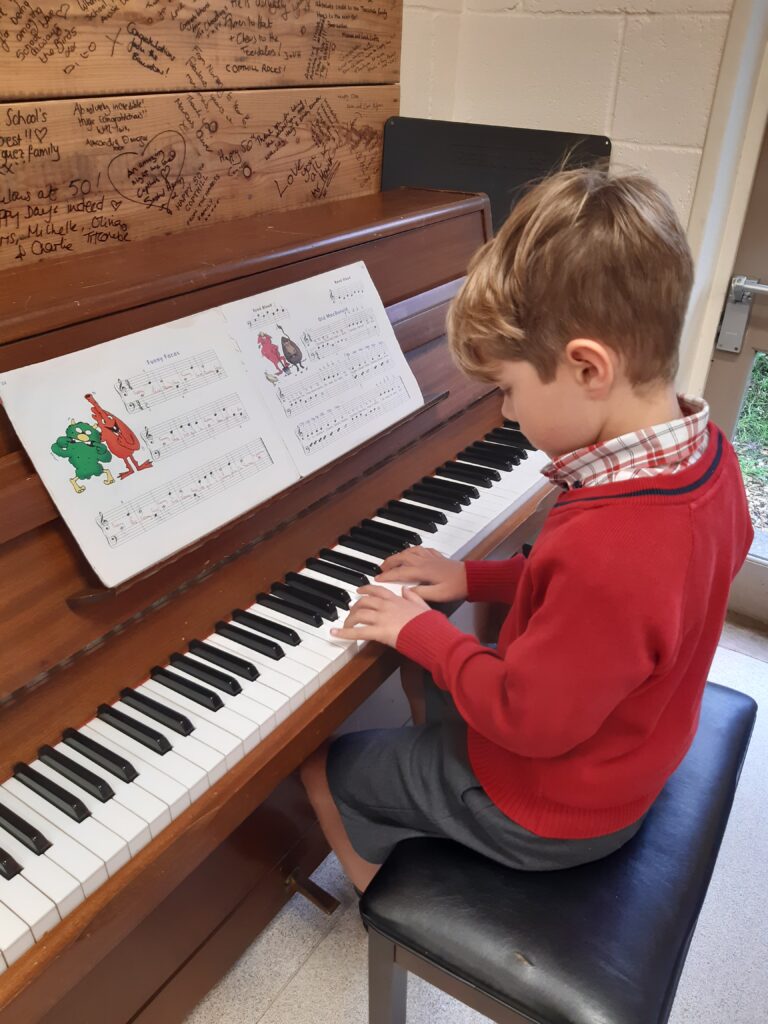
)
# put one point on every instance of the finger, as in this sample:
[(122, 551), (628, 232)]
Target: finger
[(372, 592), (405, 557), (358, 633), (405, 574), (409, 594)]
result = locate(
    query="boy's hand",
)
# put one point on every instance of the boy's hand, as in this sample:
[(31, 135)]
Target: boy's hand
[(440, 578), (380, 615)]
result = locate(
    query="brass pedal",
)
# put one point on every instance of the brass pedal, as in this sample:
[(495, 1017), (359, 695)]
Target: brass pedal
[(312, 891)]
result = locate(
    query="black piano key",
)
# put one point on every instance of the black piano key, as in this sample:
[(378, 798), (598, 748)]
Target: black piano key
[(337, 572), (427, 497), (427, 515), (9, 868), (276, 630), (107, 759), (502, 437), (458, 476), (498, 451), (512, 424), (470, 490), (75, 772), (485, 460), (171, 719), (519, 438), (26, 834), (366, 546), (408, 537), (56, 795), (149, 738), (358, 564), (394, 516), (306, 599), (286, 607), (187, 688), (230, 662), (207, 674), (253, 641), (485, 475), (378, 534), (335, 594), (445, 488)]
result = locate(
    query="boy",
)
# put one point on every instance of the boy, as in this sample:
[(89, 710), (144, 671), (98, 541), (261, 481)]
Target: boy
[(548, 751)]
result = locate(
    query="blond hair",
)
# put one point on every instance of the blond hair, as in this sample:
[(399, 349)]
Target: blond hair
[(584, 254)]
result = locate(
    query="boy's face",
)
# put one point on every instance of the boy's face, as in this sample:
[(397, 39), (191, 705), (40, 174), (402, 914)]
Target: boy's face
[(557, 417)]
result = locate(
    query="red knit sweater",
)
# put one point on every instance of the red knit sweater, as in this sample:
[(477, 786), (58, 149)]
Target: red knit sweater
[(592, 698)]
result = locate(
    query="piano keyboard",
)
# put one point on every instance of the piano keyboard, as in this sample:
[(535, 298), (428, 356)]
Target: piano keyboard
[(80, 811)]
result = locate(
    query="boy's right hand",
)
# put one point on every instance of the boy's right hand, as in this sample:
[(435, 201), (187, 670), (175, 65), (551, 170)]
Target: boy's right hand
[(440, 579)]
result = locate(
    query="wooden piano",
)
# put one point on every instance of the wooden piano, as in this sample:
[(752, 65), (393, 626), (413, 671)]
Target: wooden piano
[(148, 943)]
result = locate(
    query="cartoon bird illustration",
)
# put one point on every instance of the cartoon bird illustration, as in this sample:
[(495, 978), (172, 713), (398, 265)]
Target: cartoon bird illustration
[(270, 351), (118, 437), (291, 350), (83, 448)]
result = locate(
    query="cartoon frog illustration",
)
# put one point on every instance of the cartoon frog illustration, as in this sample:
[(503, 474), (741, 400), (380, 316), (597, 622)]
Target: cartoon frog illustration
[(83, 448)]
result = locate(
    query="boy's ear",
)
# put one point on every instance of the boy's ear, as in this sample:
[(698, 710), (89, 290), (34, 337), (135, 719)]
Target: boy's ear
[(593, 364)]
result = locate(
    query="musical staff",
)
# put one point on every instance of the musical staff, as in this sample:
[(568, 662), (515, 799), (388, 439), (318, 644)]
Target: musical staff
[(317, 432), (258, 320), (190, 428), (332, 378), (345, 292), (174, 379), (130, 519), (343, 331)]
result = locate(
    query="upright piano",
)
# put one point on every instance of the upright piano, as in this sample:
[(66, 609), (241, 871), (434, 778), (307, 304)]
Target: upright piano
[(132, 911)]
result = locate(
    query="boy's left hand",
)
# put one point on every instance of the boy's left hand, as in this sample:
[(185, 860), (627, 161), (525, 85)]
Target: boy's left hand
[(380, 615)]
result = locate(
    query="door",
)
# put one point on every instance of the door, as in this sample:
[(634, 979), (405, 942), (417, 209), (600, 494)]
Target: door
[(737, 387)]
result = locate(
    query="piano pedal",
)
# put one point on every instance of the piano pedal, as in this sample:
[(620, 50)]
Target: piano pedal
[(296, 882)]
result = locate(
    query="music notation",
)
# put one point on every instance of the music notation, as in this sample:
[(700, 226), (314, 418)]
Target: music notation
[(317, 432), (190, 428), (133, 518), (257, 320), (345, 292), (342, 332), (173, 379), (332, 378)]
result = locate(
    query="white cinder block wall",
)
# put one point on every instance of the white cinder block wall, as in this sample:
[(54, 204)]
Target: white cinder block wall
[(642, 72)]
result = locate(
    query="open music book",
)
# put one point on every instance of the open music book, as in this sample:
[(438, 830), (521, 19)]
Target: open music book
[(149, 442)]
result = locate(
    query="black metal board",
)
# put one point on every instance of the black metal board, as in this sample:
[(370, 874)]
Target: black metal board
[(481, 158)]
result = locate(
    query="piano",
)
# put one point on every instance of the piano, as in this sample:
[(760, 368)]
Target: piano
[(151, 821)]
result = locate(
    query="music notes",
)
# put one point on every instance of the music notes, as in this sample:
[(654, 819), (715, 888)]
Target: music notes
[(172, 436), (131, 519), (176, 379), (318, 432)]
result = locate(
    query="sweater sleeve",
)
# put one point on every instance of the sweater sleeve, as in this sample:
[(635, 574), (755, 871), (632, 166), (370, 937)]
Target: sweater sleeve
[(590, 643), (494, 581)]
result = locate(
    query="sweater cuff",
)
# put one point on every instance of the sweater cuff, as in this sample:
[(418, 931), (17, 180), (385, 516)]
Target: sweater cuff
[(425, 639), (494, 581)]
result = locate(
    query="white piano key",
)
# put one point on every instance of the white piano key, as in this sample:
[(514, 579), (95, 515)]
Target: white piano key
[(45, 874), (132, 830), (37, 912), (170, 791), (319, 665), (80, 862), (211, 761), (245, 729), (456, 520), (225, 743), (274, 689), (310, 639), (324, 629), (171, 764), (443, 540), (101, 841), (244, 704), (486, 498), (15, 937), (150, 808)]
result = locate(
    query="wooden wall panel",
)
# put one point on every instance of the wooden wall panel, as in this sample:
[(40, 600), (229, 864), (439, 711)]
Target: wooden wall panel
[(103, 47), (81, 175)]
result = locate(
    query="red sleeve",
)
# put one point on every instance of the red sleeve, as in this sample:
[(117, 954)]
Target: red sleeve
[(494, 581), (589, 644)]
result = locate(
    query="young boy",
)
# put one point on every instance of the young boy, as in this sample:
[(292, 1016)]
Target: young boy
[(548, 751)]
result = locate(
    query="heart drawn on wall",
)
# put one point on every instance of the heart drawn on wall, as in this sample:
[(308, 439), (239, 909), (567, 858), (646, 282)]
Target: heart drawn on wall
[(149, 178)]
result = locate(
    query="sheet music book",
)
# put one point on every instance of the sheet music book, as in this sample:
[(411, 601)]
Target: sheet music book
[(153, 440)]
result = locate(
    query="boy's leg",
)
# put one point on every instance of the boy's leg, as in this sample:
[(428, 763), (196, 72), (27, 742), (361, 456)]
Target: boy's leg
[(315, 779)]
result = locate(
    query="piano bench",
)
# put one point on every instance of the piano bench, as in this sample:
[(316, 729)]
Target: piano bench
[(604, 943)]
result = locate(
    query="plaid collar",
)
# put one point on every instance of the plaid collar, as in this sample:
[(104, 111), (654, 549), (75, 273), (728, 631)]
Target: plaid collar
[(667, 448)]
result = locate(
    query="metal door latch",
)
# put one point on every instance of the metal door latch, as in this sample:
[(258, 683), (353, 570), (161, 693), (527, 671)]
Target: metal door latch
[(736, 313)]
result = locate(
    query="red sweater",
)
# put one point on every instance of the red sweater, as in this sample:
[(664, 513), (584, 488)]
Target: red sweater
[(592, 698)]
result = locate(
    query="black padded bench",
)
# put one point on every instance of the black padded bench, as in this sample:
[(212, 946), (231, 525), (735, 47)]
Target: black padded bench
[(600, 944)]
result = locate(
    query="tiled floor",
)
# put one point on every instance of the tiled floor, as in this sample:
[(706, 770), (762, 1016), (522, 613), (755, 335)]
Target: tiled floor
[(310, 969)]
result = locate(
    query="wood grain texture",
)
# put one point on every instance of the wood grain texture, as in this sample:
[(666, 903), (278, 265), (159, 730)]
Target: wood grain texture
[(102, 47), (87, 175)]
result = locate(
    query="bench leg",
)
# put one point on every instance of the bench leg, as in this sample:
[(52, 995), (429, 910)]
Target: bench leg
[(387, 983)]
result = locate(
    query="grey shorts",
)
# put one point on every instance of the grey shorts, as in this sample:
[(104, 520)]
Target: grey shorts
[(395, 784)]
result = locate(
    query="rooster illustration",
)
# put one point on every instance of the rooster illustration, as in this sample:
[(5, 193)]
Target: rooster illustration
[(118, 437)]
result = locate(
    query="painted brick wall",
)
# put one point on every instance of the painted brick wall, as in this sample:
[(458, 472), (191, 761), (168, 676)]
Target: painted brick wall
[(642, 72)]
